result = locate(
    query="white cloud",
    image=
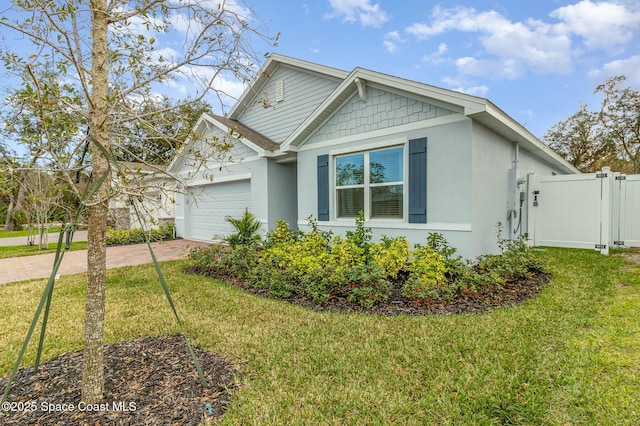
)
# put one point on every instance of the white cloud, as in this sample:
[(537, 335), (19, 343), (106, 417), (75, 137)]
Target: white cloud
[(436, 57), (628, 67), (391, 40), (510, 48), (513, 46), (369, 15), (460, 86), (602, 25)]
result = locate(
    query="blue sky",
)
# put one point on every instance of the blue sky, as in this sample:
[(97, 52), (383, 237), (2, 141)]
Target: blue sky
[(535, 60)]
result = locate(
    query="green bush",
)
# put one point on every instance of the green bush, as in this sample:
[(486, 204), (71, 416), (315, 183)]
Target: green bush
[(392, 254), (322, 283), (137, 235), (367, 285), (317, 267), (427, 276)]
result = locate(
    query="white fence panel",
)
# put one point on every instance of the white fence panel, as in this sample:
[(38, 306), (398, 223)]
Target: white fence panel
[(629, 219), (567, 211)]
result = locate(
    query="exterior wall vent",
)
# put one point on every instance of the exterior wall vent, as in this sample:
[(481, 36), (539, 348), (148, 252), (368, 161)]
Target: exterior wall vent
[(280, 91)]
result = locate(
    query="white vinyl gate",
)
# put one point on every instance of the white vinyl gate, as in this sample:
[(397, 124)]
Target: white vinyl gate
[(627, 222), (595, 210)]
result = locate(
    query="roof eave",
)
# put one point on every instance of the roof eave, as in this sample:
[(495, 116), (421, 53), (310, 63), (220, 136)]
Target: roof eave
[(497, 120)]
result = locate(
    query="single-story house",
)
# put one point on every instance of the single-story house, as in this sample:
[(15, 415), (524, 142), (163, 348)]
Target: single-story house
[(151, 207), (326, 143)]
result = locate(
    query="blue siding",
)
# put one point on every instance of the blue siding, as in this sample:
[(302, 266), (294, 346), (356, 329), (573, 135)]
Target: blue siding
[(418, 180)]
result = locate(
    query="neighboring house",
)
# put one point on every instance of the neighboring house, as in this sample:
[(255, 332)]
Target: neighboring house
[(153, 207), (326, 143)]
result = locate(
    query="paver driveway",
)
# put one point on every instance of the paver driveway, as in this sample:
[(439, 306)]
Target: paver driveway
[(75, 262)]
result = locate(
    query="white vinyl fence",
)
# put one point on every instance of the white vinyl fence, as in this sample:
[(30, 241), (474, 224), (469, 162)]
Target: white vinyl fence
[(595, 210)]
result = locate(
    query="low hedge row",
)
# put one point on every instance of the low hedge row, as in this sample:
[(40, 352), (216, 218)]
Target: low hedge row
[(137, 235), (317, 265)]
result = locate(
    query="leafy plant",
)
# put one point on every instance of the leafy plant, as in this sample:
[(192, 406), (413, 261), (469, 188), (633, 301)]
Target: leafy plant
[(247, 229), (361, 236), (427, 274), (367, 285), (392, 254), (137, 235)]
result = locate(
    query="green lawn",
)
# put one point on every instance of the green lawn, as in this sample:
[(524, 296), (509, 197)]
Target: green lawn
[(23, 233), (19, 251), (569, 356)]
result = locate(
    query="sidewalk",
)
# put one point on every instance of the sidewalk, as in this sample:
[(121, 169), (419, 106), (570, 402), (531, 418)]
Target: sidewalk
[(75, 262)]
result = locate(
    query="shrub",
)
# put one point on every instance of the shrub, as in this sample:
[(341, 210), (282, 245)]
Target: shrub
[(282, 234), (280, 281), (346, 253), (247, 230), (137, 235), (322, 283), (366, 285), (427, 274), (392, 254), (515, 261), (361, 236)]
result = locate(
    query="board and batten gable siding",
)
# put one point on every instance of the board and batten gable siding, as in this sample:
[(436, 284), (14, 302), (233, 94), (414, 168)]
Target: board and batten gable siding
[(304, 91), (381, 110), (237, 152)]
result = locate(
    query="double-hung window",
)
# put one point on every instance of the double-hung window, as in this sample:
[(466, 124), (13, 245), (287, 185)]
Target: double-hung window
[(372, 182)]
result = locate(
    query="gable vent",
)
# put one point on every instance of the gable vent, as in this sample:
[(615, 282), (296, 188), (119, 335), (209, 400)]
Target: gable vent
[(280, 91)]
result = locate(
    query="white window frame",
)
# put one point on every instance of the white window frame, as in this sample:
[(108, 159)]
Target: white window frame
[(366, 178)]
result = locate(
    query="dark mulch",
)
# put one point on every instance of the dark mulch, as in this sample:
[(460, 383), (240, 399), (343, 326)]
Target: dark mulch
[(465, 302), (148, 381)]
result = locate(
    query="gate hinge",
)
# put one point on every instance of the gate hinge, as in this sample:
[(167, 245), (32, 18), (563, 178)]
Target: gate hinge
[(621, 177), (601, 175), (618, 243), (601, 246)]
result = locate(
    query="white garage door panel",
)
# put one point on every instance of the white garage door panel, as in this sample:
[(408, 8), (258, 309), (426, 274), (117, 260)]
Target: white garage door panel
[(215, 202)]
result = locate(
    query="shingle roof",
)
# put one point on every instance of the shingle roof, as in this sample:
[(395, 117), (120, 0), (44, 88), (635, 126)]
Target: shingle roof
[(247, 133)]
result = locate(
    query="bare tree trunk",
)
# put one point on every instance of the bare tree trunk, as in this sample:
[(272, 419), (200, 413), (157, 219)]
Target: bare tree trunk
[(9, 224), (93, 360)]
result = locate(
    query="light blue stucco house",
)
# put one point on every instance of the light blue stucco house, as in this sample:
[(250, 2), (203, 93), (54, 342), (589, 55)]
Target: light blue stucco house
[(322, 142)]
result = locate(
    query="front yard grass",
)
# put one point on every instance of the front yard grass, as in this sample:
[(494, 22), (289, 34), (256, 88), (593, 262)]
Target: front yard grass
[(571, 355), (24, 233), (19, 251)]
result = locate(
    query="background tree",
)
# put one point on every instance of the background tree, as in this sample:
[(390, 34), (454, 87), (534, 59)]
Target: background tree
[(620, 118), (163, 126), (591, 140), (579, 140), (41, 115), (110, 57)]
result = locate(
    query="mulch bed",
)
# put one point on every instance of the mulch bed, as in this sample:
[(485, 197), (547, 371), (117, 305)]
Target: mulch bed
[(148, 381), (466, 302)]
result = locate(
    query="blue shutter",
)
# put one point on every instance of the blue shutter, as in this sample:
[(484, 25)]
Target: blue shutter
[(418, 180), (323, 187)]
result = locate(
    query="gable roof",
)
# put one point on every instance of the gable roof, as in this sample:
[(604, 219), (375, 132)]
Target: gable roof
[(247, 133), (266, 71), (479, 109), (249, 137)]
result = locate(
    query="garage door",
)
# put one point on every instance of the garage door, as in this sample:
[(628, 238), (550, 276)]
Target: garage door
[(212, 204)]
